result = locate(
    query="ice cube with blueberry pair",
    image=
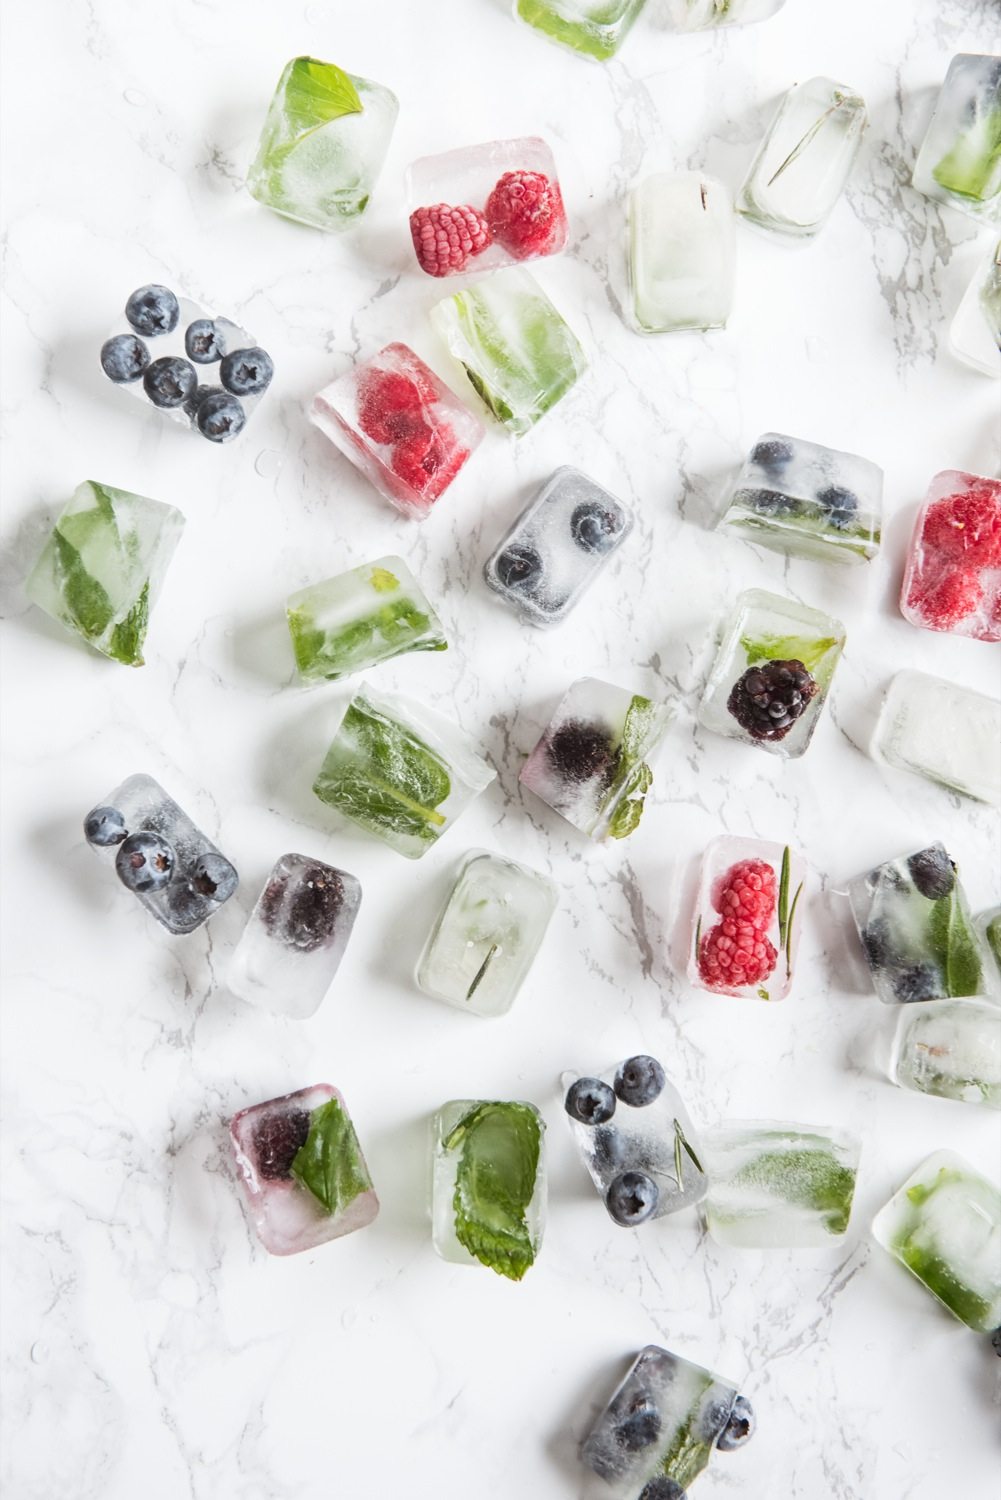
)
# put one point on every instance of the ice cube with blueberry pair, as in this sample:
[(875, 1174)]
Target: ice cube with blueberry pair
[(488, 1184), (947, 733), (774, 1185), (360, 618), (201, 369), (747, 918), (160, 856), (682, 251), (975, 331), (953, 577), (959, 162), (950, 1049)]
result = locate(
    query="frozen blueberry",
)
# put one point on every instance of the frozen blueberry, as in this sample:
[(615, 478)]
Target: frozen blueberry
[(590, 1101), (917, 982), (196, 398), (639, 1080), (739, 1427), (186, 909), (518, 565), (276, 1138), (933, 872), (632, 1198), (145, 862), (595, 527), (663, 1488), (771, 453), (170, 381), (213, 876), (152, 310), (640, 1426), (220, 417), (996, 1341), (840, 505), (124, 358), (246, 372), (609, 1148), (203, 342), (877, 940), (104, 827)]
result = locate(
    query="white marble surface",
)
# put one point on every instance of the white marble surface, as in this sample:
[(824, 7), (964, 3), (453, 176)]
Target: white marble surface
[(151, 1347)]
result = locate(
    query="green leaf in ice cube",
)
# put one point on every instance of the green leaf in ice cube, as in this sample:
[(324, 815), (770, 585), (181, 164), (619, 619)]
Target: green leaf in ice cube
[(328, 1163), (954, 946), (395, 628), (126, 644), (499, 1146), (316, 93), (689, 1450), (992, 932), (810, 650), (86, 599), (809, 1176), (633, 777), (394, 781), (970, 169), (627, 814)]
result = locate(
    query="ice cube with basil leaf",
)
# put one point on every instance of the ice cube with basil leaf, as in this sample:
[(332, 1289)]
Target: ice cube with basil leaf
[(959, 162), (488, 1184), (360, 618), (775, 1185)]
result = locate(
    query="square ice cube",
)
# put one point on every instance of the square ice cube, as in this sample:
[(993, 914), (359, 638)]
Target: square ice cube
[(772, 672), (802, 498), (975, 331), (593, 28), (160, 856), (557, 546), (774, 1185), (322, 145), (302, 1171), (805, 158), (953, 576), (488, 1184), (360, 618), (701, 15), (519, 355), (294, 941), (950, 1048), (945, 732), (401, 771), (590, 765), (944, 1225), (682, 248), (960, 158), (747, 918), (487, 935), (103, 566), (400, 425)]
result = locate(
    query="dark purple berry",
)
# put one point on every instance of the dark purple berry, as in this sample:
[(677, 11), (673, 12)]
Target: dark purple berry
[(632, 1198), (518, 566), (768, 699), (663, 1488), (246, 372), (145, 862), (275, 1140), (590, 1101), (771, 453), (170, 382), (104, 827), (639, 1080), (739, 1427), (124, 358), (214, 877), (152, 310), (220, 417), (203, 342), (639, 1425), (582, 752), (840, 506), (596, 528), (933, 872), (307, 919)]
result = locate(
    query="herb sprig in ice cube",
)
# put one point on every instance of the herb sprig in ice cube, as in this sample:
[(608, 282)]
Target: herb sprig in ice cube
[(488, 1184)]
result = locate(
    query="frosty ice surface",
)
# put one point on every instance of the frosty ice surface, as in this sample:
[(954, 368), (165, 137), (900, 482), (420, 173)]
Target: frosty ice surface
[(772, 672), (682, 247), (400, 425), (295, 939), (774, 1185), (951, 1048), (323, 143), (988, 930), (103, 566), (557, 546), (960, 158), (805, 159), (488, 1184), (700, 15), (400, 771), (594, 28), (360, 618), (944, 1225), (590, 765), (487, 935), (519, 355), (160, 856), (953, 577), (747, 918), (799, 497), (302, 1170), (945, 732), (975, 332)]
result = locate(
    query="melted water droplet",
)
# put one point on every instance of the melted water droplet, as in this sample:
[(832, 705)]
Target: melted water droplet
[(135, 97), (268, 463)]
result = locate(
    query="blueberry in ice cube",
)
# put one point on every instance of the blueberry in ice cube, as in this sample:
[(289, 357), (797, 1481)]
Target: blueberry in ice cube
[(769, 502), (840, 505), (145, 862), (632, 1198), (124, 358), (582, 751), (104, 827), (203, 342), (996, 1341), (185, 907), (152, 310), (771, 453), (639, 1080), (663, 1488), (609, 1148), (220, 417), (518, 565), (595, 527), (933, 872), (213, 876), (169, 382), (739, 1427), (276, 1139), (917, 982), (246, 372), (590, 1101), (640, 1426), (196, 398)]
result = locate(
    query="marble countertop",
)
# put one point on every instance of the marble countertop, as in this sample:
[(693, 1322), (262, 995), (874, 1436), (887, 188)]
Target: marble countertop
[(151, 1347)]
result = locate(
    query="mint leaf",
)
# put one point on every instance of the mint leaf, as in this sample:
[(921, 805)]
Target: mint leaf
[(626, 816), (383, 581), (389, 631), (992, 932), (328, 1163), (86, 600), (315, 94), (954, 946), (969, 168), (813, 1178), (395, 781), (126, 644), (499, 1146), (809, 650), (633, 777)]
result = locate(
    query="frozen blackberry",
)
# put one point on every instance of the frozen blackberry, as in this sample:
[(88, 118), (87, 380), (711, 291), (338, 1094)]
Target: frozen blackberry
[(933, 872), (916, 983), (276, 1139), (840, 505), (312, 912), (768, 699), (582, 751), (771, 453)]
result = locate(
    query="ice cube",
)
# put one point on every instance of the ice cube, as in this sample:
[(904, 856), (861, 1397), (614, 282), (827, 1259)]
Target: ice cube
[(293, 944), (401, 771), (360, 618), (960, 158), (953, 577), (590, 765), (747, 918), (975, 332), (805, 158), (557, 546), (944, 1225), (802, 498), (519, 355), (772, 672), (103, 566), (487, 935), (700, 15), (302, 1170), (945, 732), (682, 246), (774, 1185), (488, 1184), (951, 1048), (400, 425), (323, 143), (988, 930), (593, 28)]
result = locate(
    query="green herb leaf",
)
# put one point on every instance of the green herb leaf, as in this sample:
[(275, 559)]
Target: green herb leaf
[(499, 1146), (784, 894), (681, 1140), (316, 93), (633, 777), (627, 815), (397, 782), (85, 598), (480, 974), (969, 168), (328, 1163), (698, 936), (763, 993), (811, 1177), (126, 644), (790, 929), (954, 946), (383, 581), (810, 651)]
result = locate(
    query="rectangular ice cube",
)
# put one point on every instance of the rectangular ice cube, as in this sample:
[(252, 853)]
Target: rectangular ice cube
[(294, 941), (700, 15), (486, 206), (772, 672), (322, 145), (748, 916), (400, 425), (360, 618), (557, 546), (176, 872), (302, 1171), (960, 158), (594, 28), (488, 1184), (590, 765), (401, 771), (519, 355), (682, 249), (103, 566), (944, 1225), (805, 158), (975, 332), (950, 1048), (802, 498), (914, 924), (953, 577), (773, 1185), (948, 733)]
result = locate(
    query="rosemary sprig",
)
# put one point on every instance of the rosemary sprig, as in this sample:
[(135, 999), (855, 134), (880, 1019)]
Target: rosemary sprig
[(805, 140), (681, 1142), (478, 977), (788, 938)]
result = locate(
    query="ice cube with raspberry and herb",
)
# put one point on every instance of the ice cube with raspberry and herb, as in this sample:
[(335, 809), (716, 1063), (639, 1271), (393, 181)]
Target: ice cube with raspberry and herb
[(953, 577), (301, 1169), (775, 1185), (593, 28), (748, 915), (360, 618), (488, 1184), (959, 162)]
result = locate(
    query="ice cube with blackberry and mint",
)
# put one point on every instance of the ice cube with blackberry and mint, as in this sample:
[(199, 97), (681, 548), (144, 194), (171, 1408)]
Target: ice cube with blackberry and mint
[(774, 1185), (915, 928), (950, 1049), (636, 1140), (488, 1184), (557, 547), (301, 1168), (799, 497), (665, 1420), (959, 162), (360, 618)]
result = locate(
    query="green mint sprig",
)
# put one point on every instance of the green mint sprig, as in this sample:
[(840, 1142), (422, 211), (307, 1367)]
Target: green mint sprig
[(499, 1145), (328, 1163)]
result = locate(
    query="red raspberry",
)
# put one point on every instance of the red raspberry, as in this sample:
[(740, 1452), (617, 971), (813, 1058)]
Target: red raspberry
[(525, 214), (735, 953), (945, 598), (747, 892), (967, 527), (445, 237), (390, 406), (429, 461)]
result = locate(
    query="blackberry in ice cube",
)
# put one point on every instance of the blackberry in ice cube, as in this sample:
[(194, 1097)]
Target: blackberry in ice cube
[(916, 983), (662, 1488), (768, 699), (277, 1138), (581, 751), (312, 911), (933, 872), (772, 453)]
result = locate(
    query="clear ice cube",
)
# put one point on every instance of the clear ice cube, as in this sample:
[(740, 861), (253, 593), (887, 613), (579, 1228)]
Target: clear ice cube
[(953, 577), (682, 249), (959, 162), (975, 331), (360, 618), (950, 1048), (773, 1185), (593, 28), (748, 916), (949, 734), (988, 929), (701, 15), (488, 1184)]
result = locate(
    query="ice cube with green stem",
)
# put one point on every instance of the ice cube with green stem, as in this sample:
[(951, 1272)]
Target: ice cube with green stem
[(593, 28), (776, 1185), (488, 1184), (360, 618), (959, 162), (947, 733), (757, 964), (681, 252), (950, 1048)]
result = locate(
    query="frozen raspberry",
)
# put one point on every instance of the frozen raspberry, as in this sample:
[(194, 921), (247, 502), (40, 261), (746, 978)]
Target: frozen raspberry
[(967, 527), (946, 598), (428, 461), (445, 237), (735, 953), (747, 892), (525, 214), (390, 406)]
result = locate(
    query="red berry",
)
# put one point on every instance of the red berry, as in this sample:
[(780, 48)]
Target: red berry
[(525, 214), (733, 954), (967, 527), (747, 891), (429, 461), (390, 406), (945, 598), (445, 237)]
